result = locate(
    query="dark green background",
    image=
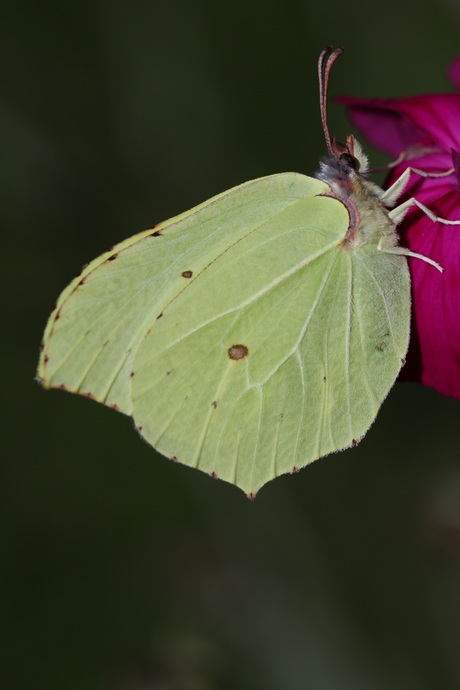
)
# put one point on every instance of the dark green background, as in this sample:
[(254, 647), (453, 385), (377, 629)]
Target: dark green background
[(121, 570)]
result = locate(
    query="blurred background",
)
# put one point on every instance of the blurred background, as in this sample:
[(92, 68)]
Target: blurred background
[(121, 570)]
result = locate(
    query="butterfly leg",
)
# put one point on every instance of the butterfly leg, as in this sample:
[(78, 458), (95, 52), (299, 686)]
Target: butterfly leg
[(403, 251)]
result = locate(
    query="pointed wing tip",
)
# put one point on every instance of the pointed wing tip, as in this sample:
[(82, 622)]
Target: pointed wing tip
[(38, 378)]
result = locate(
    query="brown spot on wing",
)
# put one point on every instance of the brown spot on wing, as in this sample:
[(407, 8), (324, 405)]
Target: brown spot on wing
[(187, 274), (238, 351), (113, 257)]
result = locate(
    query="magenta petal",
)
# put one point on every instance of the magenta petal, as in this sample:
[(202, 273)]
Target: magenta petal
[(396, 125), (427, 130), (434, 353), (428, 190), (438, 115), (456, 164), (383, 125), (454, 72)]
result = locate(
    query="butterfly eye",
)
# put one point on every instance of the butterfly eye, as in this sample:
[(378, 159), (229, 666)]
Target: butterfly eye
[(350, 161)]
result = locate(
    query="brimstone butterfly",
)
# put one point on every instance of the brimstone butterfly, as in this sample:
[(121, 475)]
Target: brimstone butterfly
[(254, 333)]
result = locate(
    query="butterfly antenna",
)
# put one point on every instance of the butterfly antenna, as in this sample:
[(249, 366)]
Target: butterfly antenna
[(325, 62)]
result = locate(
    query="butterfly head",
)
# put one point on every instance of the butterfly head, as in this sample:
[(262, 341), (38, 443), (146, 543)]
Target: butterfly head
[(344, 163)]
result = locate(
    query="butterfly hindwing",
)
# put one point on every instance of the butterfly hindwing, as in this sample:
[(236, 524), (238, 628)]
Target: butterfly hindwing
[(306, 321)]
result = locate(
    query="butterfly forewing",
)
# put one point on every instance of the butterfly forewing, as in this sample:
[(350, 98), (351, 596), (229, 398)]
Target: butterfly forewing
[(100, 318)]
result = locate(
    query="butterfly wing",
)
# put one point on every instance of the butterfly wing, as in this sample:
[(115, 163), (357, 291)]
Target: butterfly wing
[(242, 336), (280, 351), (101, 317)]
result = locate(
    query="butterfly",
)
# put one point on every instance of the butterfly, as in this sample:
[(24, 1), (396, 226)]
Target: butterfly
[(255, 333)]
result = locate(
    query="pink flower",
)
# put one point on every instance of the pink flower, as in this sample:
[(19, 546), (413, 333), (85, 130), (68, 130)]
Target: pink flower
[(427, 130)]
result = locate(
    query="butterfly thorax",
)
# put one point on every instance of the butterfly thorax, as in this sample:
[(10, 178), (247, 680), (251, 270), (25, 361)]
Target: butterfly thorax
[(344, 170)]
